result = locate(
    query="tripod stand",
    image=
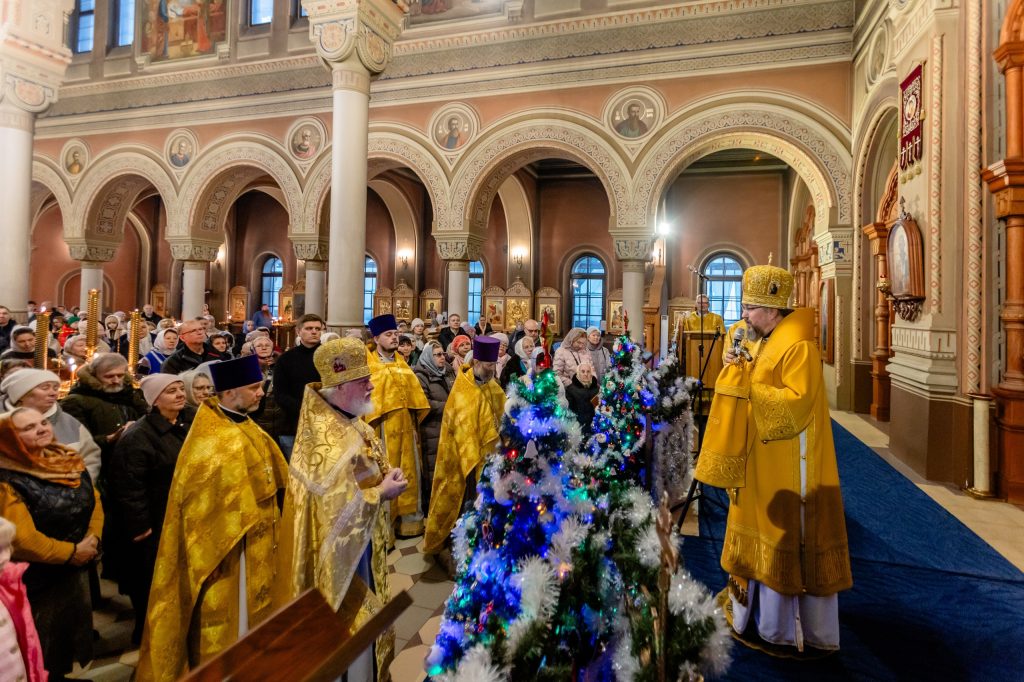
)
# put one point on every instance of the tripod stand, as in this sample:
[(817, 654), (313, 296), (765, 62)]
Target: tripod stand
[(696, 491)]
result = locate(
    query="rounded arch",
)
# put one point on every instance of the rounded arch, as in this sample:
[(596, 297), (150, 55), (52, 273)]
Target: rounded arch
[(404, 220), (222, 174), (512, 143), (816, 149), (518, 226), (110, 188), (731, 249), (259, 263), (47, 182)]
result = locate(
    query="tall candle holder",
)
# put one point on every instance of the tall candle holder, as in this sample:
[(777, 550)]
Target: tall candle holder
[(42, 340), (134, 326), (92, 324)]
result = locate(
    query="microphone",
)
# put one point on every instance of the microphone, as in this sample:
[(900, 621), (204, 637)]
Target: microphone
[(737, 343), (691, 268)]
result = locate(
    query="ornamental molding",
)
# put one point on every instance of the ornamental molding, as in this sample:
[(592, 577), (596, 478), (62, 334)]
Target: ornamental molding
[(367, 29), (934, 147), (334, 40), (509, 146), (633, 249), (464, 247), (188, 250), (27, 94), (817, 155), (44, 173), (835, 247), (310, 251), (974, 242), (83, 251), (212, 186)]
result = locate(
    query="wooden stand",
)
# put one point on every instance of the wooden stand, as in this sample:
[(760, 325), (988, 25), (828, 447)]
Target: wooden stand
[(306, 640), (691, 357)]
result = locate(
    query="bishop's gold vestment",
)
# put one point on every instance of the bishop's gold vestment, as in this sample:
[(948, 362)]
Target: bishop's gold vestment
[(332, 509), (469, 432), (223, 501), (399, 405), (792, 544), (712, 322)]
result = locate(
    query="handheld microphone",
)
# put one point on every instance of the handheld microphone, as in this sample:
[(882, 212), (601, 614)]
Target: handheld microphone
[(737, 343)]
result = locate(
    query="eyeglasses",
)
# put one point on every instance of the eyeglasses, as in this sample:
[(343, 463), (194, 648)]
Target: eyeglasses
[(438, 355), (750, 308)]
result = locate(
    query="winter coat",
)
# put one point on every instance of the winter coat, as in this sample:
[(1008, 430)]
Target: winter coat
[(184, 359), (600, 358), (566, 362), (100, 412), (514, 368), (292, 371), (579, 398), (436, 389)]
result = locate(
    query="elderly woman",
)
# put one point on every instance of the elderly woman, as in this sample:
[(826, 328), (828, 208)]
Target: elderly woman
[(503, 356), (519, 364), (570, 354), (198, 386), (75, 350), (38, 389), (459, 348), (139, 476), (268, 415), (164, 344), (580, 395), (600, 358), (47, 493), (437, 378)]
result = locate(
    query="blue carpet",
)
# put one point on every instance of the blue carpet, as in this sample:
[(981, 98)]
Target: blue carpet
[(930, 599)]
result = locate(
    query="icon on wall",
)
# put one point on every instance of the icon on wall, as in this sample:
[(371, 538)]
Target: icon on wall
[(453, 127), (180, 148), (306, 138)]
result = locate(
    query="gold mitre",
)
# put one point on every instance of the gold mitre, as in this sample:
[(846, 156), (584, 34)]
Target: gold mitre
[(767, 285), (341, 360)]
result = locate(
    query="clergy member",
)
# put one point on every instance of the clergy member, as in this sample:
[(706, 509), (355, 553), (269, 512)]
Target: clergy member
[(215, 566), (335, 528), (785, 546), (399, 405), (469, 432), (703, 318)]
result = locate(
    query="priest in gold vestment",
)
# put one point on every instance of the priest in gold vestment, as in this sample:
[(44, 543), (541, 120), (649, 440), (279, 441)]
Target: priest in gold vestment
[(215, 567), (399, 405), (703, 318), (769, 443), (335, 529), (469, 432)]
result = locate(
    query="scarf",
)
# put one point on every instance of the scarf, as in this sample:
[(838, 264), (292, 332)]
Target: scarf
[(521, 352), (55, 463), (426, 359)]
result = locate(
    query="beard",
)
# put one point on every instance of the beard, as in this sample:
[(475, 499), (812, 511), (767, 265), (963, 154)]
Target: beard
[(361, 407), (107, 388)]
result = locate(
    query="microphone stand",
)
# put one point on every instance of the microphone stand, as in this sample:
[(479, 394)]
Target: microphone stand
[(696, 491)]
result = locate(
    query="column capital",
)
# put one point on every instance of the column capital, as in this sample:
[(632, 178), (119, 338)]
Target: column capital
[(459, 247), (91, 253), (311, 251), (835, 251), (360, 33), (633, 247), (194, 250), (33, 57)]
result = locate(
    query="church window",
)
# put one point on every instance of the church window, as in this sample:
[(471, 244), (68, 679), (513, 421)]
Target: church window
[(260, 12), (587, 286), (476, 288), (272, 277), (723, 279), (124, 22), (85, 19), (369, 287)]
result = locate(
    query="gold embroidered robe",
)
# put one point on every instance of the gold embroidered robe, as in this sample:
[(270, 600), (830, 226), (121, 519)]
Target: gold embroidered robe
[(223, 498), (399, 405), (712, 322), (469, 432), (788, 421), (332, 509)]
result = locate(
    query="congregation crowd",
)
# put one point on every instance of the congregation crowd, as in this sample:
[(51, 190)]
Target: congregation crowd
[(89, 446)]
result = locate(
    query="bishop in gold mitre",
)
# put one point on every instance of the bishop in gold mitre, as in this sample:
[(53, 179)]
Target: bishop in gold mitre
[(769, 443), (215, 565), (469, 432), (399, 405), (335, 529)]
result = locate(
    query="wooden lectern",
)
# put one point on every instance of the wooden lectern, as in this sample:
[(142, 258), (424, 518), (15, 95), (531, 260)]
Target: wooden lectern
[(306, 640), (691, 357)]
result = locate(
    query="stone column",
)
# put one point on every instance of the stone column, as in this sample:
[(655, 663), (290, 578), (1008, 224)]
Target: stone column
[(458, 288), (313, 252), (91, 278), (354, 39), (1005, 180), (633, 254), (91, 257), (458, 250), (197, 257), (878, 234), (33, 59)]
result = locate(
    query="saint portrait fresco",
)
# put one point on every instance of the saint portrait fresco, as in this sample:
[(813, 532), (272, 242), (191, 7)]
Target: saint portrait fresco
[(430, 11), (306, 142), (452, 131), (177, 29), (633, 116), (181, 152)]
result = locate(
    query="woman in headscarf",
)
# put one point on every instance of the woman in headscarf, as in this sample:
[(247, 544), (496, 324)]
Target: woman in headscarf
[(580, 395), (47, 493), (458, 349), (21, 655), (115, 334), (198, 386), (569, 355), (75, 351), (164, 345), (503, 356), (600, 358), (519, 364), (437, 378), (139, 475)]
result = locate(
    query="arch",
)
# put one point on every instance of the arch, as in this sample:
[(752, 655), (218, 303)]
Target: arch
[(816, 150), (1012, 29), (222, 174), (47, 182), (518, 226), (576, 271), (110, 188), (512, 143), (404, 220)]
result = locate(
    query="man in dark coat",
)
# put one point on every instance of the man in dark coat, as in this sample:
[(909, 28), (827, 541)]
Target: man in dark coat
[(139, 481), (295, 369), (7, 325), (192, 349)]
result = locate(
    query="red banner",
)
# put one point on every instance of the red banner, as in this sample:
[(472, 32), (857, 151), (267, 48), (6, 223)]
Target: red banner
[(911, 140)]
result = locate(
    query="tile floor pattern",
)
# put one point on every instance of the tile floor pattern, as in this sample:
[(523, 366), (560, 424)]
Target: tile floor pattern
[(998, 523)]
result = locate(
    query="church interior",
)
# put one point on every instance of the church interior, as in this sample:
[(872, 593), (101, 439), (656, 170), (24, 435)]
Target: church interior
[(595, 163)]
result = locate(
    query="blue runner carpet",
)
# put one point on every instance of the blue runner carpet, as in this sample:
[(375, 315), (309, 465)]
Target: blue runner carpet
[(930, 599)]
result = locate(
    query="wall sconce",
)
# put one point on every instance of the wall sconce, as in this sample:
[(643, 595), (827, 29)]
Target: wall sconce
[(518, 254), (404, 255)]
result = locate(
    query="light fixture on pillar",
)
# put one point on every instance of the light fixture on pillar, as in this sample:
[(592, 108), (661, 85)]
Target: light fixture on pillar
[(404, 255), (664, 228), (518, 255)]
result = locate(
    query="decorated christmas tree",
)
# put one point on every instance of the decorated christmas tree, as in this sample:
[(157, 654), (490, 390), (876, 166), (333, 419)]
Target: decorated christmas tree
[(672, 459)]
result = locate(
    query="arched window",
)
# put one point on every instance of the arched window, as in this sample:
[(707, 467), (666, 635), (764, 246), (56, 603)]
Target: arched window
[(723, 279), (369, 287), (587, 285), (272, 278), (476, 288)]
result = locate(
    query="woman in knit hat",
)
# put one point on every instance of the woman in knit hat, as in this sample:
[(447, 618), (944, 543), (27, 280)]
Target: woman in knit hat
[(139, 480), (458, 349)]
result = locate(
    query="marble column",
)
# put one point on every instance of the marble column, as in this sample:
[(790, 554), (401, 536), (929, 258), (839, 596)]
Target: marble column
[(354, 40), (33, 59), (193, 290), (633, 253), (91, 278), (316, 283), (458, 288)]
